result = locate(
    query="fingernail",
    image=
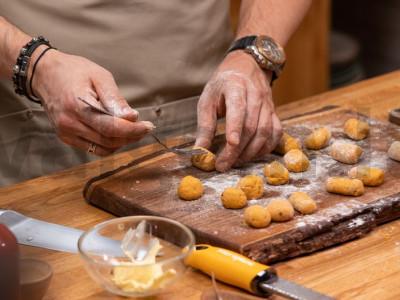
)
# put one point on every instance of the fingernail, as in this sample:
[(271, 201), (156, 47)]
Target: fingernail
[(150, 126), (235, 138)]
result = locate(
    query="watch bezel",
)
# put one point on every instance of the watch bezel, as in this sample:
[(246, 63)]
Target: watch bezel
[(259, 43)]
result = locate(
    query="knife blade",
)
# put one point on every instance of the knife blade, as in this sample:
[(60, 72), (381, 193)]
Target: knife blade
[(36, 233)]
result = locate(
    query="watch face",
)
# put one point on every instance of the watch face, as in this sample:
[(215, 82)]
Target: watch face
[(270, 49)]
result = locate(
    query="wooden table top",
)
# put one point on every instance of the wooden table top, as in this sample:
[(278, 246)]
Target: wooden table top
[(368, 268)]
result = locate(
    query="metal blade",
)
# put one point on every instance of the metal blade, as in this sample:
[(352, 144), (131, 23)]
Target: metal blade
[(292, 290), (36, 233)]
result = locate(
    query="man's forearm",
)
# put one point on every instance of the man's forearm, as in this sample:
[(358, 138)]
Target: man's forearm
[(11, 41), (275, 18)]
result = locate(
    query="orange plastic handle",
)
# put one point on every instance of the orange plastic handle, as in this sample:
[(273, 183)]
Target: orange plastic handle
[(227, 266)]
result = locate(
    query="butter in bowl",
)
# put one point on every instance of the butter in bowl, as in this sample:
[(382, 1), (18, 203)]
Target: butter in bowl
[(136, 256)]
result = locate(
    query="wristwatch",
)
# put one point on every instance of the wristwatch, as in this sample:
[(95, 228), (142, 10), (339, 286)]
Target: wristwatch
[(265, 50)]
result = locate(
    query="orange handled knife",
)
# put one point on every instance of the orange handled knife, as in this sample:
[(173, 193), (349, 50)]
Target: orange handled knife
[(240, 271)]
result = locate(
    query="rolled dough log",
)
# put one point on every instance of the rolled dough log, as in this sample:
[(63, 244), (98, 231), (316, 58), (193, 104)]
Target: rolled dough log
[(356, 129), (257, 216), (370, 176), (233, 198), (190, 188), (252, 186), (276, 173), (344, 186), (318, 139), (303, 203), (296, 161), (346, 152), (281, 210), (287, 143), (394, 151), (205, 162)]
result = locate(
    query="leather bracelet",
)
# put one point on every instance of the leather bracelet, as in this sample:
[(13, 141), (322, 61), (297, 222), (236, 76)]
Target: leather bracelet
[(20, 69), (33, 97)]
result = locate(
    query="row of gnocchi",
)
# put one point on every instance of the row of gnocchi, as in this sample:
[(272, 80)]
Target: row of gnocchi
[(252, 187)]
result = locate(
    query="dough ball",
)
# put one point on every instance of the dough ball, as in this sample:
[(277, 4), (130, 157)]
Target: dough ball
[(276, 173), (190, 188), (346, 152), (318, 139), (344, 186), (252, 186), (356, 129), (281, 210), (205, 162), (303, 203), (257, 216), (296, 161), (233, 198), (394, 151), (368, 175), (286, 144)]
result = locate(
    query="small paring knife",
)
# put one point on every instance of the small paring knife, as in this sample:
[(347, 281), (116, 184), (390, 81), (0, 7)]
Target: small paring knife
[(182, 152), (240, 271)]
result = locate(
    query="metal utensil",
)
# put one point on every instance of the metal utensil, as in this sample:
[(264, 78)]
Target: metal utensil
[(183, 152), (235, 269), (36, 233)]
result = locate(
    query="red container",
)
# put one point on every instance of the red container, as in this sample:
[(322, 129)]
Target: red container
[(9, 269)]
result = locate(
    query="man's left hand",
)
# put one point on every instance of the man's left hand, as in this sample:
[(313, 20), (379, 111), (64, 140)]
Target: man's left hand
[(240, 91)]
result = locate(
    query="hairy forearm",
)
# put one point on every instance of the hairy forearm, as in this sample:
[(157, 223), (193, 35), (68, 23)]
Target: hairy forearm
[(275, 18), (11, 41)]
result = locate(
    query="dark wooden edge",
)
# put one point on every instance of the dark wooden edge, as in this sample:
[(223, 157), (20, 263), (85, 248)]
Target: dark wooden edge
[(340, 229), (91, 184)]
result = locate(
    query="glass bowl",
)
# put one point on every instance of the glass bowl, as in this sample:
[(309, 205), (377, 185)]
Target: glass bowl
[(100, 249)]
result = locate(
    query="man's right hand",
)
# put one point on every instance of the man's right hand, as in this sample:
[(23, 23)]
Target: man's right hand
[(60, 79)]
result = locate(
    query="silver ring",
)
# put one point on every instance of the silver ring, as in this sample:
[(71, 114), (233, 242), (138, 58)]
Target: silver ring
[(92, 148)]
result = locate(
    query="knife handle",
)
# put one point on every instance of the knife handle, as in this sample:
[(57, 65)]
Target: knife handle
[(230, 267)]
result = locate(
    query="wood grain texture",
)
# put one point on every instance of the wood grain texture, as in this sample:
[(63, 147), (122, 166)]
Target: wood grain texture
[(364, 269)]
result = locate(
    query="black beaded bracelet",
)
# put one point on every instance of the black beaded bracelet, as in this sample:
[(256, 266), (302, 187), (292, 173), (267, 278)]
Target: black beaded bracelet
[(33, 97), (20, 70)]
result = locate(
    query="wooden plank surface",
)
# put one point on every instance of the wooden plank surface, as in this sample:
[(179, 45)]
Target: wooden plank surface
[(364, 269), (150, 188)]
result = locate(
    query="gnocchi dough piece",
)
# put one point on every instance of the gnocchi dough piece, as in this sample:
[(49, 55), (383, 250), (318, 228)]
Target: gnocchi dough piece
[(287, 143), (356, 129), (276, 173), (190, 188), (345, 186), (370, 176), (346, 152), (252, 186), (205, 162), (394, 151), (303, 203), (281, 210), (296, 161), (318, 139), (233, 198), (257, 216)]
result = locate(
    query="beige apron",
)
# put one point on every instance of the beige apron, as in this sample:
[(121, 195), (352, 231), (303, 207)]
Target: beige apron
[(159, 51)]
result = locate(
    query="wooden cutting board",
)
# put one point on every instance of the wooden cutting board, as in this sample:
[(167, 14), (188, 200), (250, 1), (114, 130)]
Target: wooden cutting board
[(148, 186)]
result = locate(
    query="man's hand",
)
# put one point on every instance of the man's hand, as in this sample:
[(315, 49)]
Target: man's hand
[(240, 91), (60, 79)]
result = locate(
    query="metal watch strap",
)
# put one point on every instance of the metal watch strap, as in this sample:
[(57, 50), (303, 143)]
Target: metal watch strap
[(242, 43)]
